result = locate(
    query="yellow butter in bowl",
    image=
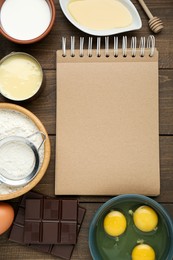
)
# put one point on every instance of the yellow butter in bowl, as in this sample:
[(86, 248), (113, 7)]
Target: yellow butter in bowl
[(100, 14), (21, 76)]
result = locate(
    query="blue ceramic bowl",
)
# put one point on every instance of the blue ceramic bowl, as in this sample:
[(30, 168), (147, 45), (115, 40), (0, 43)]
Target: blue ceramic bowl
[(104, 247)]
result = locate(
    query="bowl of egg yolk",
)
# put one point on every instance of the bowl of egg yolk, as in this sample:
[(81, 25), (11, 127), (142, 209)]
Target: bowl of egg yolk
[(131, 227)]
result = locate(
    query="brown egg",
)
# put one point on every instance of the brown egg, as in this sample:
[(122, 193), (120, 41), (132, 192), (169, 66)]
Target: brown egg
[(6, 216)]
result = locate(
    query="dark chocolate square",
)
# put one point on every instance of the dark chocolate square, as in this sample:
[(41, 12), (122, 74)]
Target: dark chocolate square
[(51, 209), (32, 232), (33, 209), (69, 210), (68, 233), (50, 233)]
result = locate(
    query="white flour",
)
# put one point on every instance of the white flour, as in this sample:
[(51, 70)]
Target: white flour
[(17, 163), (17, 160)]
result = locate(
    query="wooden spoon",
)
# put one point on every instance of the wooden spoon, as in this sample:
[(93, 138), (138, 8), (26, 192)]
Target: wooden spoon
[(155, 23)]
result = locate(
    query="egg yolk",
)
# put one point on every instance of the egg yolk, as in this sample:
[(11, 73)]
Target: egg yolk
[(115, 223), (143, 252), (145, 218)]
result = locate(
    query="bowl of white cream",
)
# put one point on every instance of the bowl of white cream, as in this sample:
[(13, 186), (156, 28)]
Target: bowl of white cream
[(26, 21), (102, 17), (21, 76)]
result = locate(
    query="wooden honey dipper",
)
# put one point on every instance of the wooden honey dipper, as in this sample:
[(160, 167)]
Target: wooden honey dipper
[(155, 23)]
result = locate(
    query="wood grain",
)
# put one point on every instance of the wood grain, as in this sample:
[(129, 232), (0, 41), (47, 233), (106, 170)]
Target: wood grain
[(44, 107)]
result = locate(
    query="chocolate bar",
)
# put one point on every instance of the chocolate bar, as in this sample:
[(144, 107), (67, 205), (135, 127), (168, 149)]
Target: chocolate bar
[(63, 251), (50, 221)]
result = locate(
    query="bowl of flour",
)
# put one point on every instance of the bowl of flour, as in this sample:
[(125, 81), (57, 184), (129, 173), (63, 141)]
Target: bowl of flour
[(18, 121)]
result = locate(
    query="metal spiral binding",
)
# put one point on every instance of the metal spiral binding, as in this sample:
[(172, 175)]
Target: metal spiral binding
[(81, 50), (72, 46), (63, 46), (98, 46), (115, 46), (90, 43), (124, 46), (133, 46), (107, 46), (151, 45), (143, 46)]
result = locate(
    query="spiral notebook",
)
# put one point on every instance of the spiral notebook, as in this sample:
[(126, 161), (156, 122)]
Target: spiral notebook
[(107, 136)]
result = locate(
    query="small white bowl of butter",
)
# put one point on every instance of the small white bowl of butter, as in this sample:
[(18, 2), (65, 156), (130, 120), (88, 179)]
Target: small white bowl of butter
[(102, 17)]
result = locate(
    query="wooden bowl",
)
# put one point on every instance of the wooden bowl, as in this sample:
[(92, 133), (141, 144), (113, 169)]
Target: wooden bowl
[(47, 152)]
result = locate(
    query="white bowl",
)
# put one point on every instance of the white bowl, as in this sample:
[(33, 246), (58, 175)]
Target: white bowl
[(136, 22)]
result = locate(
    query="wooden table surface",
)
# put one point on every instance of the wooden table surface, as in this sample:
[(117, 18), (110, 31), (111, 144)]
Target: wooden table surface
[(44, 108)]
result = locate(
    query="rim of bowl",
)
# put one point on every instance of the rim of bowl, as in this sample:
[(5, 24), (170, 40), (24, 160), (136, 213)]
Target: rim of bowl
[(157, 206), (41, 36)]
